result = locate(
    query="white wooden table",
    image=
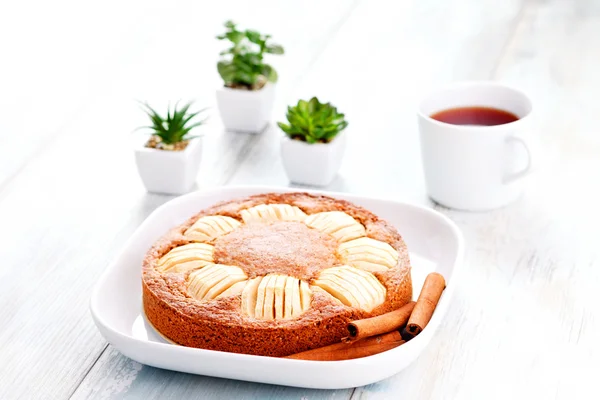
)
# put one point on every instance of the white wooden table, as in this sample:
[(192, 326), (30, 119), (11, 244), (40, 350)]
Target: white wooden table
[(525, 321)]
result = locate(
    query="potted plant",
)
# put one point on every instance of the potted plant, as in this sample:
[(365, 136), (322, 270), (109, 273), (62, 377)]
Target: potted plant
[(246, 99), (313, 145), (168, 161)]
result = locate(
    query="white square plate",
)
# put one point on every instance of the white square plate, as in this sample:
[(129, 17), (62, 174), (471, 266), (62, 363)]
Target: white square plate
[(435, 244)]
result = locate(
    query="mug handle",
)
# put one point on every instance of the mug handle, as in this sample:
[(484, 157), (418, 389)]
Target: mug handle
[(527, 169)]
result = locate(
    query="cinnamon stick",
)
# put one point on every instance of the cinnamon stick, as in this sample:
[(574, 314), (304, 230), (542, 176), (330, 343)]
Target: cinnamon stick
[(347, 351), (383, 323), (430, 295), (406, 335)]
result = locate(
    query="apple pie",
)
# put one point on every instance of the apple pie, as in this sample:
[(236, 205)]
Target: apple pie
[(273, 274)]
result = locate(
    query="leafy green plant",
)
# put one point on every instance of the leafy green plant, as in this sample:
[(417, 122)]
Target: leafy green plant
[(243, 66), (175, 128), (313, 122)]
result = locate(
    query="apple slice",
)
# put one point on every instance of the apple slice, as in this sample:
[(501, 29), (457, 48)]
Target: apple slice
[(207, 228), (272, 213), (368, 254), (337, 224), (352, 286), (186, 258), (211, 281), (250, 295)]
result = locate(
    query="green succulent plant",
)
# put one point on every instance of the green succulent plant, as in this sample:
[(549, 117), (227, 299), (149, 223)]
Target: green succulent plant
[(175, 128), (313, 121), (242, 65)]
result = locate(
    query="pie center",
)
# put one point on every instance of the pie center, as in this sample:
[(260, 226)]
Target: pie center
[(286, 247)]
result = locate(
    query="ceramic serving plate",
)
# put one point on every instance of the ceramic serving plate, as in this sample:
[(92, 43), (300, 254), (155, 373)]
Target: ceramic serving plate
[(435, 244)]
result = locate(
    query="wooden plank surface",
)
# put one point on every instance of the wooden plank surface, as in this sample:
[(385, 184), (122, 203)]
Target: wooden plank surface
[(71, 206), (389, 26), (523, 323), (381, 62), (117, 377), (57, 57)]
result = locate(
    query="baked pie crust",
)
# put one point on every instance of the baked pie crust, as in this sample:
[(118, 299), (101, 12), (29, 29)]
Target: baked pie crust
[(273, 274)]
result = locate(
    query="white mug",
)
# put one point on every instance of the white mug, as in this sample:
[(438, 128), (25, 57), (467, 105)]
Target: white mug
[(475, 167)]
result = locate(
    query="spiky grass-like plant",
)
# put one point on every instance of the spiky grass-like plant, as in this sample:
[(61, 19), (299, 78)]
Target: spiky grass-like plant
[(171, 132)]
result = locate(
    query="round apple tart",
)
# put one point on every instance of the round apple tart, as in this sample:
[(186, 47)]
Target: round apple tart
[(273, 274)]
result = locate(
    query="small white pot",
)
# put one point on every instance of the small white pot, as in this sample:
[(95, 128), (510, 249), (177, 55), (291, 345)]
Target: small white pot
[(246, 110), (170, 172), (312, 164)]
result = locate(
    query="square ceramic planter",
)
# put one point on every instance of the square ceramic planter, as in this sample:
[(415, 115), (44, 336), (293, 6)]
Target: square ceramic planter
[(246, 110), (169, 172), (312, 164)]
